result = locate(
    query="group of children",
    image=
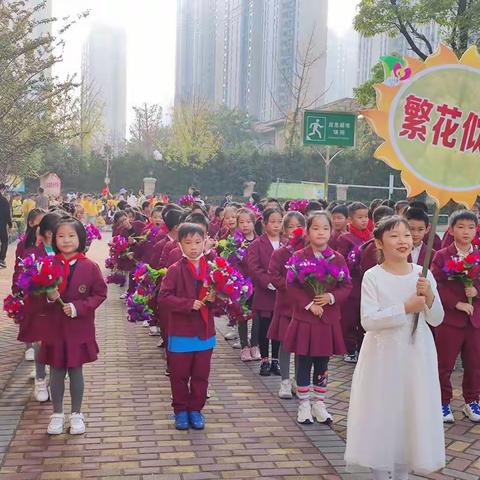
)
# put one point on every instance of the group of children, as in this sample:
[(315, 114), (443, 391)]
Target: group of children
[(367, 315)]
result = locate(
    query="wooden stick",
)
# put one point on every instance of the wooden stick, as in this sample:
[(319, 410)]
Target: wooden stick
[(428, 256)]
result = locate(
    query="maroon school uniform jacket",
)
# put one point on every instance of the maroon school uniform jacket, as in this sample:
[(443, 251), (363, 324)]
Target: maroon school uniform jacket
[(453, 291), (346, 243), (177, 293), (213, 228), (157, 252), (70, 342), (170, 245), (144, 249), (124, 263), (446, 240), (437, 242), (308, 334), (421, 256), (258, 259), (368, 256), (333, 243), (282, 311), (31, 326)]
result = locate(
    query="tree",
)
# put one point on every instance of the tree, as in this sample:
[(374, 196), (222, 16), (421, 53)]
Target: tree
[(146, 130), (459, 22), (299, 90), (194, 141), (31, 99)]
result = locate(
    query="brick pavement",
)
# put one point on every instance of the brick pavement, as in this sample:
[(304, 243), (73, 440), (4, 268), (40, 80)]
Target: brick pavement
[(250, 432)]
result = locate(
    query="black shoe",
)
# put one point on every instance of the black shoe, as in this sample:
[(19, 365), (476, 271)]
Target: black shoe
[(265, 369), (275, 368)]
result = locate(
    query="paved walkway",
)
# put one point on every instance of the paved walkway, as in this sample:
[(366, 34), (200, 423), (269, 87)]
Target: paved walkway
[(250, 432)]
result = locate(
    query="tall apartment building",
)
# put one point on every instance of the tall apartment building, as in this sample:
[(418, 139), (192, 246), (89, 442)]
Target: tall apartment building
[(342, 69), (104, 66), (256, 47), (371, 49)]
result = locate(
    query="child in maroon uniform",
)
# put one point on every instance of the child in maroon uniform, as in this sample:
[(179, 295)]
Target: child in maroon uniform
[(460, 330), (339, 223), (368, 251), (282, 313), (32, 323), (418, 223), (259, 254), (69, 340), (246, 225), (315, 332), (358, 234), (229, 222), (191, 328)]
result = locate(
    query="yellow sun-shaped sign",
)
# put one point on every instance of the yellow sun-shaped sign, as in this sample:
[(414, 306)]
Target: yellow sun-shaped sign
[(431, 126)]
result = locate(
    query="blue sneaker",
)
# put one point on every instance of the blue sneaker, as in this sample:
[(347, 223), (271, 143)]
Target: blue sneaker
[(196, 420), (181, 421), (447, 413)]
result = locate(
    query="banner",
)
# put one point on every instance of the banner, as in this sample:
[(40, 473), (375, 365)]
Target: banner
[(428, 113)]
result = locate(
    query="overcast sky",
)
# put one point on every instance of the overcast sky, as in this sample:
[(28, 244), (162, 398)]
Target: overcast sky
[(150, 26)]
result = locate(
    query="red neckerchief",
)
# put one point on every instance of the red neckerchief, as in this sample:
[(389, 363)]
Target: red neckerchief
[(66, 268), (362, 234), (201, 276)]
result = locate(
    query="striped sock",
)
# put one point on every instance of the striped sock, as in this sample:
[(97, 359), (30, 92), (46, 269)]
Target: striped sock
[(303, 394), (320, 390)]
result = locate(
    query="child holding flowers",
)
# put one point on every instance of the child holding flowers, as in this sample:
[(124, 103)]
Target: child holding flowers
[(293, 228), (191, 329), (394, 419), (68, 340), (457, 271), (318, 283)]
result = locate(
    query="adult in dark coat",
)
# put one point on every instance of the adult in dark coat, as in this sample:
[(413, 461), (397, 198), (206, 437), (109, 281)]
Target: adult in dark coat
[(5, 223)]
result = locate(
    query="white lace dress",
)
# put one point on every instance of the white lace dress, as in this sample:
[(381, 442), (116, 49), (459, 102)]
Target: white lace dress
[(395, 416)]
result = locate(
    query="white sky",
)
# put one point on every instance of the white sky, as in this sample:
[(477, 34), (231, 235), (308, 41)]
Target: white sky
[(150, 26)]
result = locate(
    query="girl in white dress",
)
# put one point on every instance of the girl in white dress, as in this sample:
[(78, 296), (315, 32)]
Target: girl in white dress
[(394, 421)]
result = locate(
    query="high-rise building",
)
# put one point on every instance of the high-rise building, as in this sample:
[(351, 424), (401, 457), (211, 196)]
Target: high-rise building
[(104, 70), (342, 70), (372, 48), (257, 47)]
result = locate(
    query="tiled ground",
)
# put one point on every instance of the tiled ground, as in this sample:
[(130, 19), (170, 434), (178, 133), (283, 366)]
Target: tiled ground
[(250, 432)]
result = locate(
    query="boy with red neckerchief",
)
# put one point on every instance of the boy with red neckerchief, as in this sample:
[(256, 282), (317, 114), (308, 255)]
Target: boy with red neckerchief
[(191, 329), (357, 235)]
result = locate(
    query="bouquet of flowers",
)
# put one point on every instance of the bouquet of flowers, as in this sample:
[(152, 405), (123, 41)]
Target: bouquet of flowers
[(251, 206), (93, 233), (229, 285), (467, 270), (186, 201), (116, 278), (39, 276), (138, 309), (297, 241), (233, 248), (146, 277), (317, 273), (298, 206), (118, 248), (13, 307)]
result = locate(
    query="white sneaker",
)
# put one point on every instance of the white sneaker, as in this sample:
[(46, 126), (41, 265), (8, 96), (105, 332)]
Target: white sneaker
[(145, 324), (304, 413), (77, 424), (285, 389), (237, 345), (40, 390), (447, 414), (29, 354), (232, 334), (320, 413), (472, 411), (154, 331), (33, 374), (124, 295), (55, 427)]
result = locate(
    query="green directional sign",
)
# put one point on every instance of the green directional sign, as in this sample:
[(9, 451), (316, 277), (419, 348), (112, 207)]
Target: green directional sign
[(329, 128)]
